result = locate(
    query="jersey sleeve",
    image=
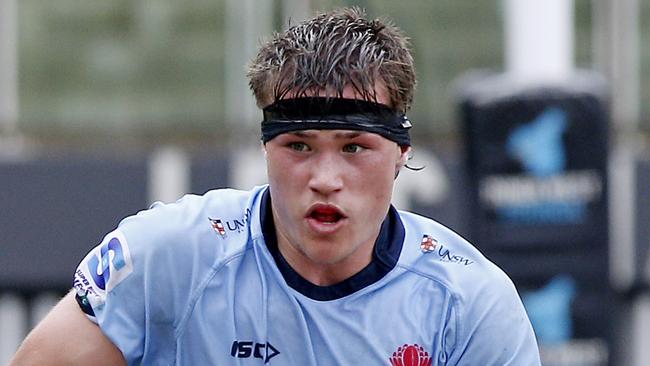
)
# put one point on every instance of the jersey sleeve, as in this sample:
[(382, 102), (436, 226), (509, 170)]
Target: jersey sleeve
[(104, 277), (138, 281), (492, 327)]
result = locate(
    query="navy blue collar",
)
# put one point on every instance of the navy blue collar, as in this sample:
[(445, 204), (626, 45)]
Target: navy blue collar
[(388, 247)]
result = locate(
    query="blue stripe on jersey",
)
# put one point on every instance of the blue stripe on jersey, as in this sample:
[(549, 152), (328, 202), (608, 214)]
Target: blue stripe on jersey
[(388, 247)]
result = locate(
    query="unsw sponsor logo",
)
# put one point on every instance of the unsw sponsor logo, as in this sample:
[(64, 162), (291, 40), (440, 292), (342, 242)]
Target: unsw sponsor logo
[(236, 225), (247, 349), (410, 355), (430, 245)]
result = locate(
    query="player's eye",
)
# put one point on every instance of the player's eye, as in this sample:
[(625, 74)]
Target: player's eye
[(298, 146), (352, 148)]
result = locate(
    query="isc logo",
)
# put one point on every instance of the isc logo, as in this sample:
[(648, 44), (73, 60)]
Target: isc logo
[(246, 349)]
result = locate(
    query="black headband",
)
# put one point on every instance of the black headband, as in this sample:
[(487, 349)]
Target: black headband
[(321, 113)]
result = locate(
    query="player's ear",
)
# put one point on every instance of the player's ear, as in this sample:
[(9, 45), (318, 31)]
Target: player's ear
[(405, 153), (263, 147)]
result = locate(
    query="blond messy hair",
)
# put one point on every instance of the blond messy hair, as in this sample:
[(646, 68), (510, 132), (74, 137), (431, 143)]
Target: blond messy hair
[(331, 51)]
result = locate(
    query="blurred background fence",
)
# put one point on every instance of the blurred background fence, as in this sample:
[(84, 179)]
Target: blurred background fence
[(108, 106)]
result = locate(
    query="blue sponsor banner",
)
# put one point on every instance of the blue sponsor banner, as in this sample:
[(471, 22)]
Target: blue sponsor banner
[(537, 163), (536, 159)]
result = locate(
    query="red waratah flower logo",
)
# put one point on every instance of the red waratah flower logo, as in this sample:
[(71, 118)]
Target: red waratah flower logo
[(410, 355)]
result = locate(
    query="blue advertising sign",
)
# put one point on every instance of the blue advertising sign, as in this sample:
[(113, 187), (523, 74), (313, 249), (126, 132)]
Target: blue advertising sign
[(537, 168)]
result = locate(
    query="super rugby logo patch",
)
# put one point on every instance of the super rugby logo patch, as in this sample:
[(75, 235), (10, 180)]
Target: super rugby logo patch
[(104, 267)]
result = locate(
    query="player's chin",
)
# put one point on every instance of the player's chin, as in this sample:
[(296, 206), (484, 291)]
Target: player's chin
[(327, 256), (330, 249)]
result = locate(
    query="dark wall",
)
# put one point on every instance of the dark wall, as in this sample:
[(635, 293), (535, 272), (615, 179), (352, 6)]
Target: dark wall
[(53, 211)]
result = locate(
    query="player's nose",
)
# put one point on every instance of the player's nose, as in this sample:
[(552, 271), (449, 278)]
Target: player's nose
[(326, 173)]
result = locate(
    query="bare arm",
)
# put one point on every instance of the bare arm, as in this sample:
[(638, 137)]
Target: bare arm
[(67, 337)]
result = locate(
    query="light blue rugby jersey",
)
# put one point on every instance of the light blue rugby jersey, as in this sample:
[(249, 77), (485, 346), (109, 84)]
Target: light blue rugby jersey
[(195, 283)]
